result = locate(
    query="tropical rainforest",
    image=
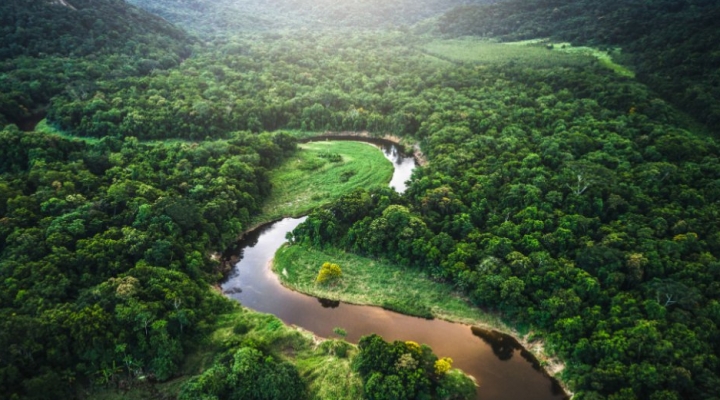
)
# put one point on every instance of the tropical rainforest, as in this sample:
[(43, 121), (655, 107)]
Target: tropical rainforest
[(560, 194)]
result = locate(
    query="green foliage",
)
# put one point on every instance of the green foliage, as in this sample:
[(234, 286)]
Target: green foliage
[(53, 47), (474, 51), (559, 194), (671, 45), (331, 157), (332, 377), (297, 192), (38, 28), (406, 370), (346, 175), (115, 276), (567, 198), (311, 165), (374, 282), (337, 348), (455, 386), (250, 375)]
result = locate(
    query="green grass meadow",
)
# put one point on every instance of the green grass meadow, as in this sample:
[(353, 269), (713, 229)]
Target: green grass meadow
[(476, 51), (316, 176), (533, 53)]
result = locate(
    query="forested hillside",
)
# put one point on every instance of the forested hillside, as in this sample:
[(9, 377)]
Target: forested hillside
[(307, 81), (51, 47), (229, 17), (563, 197), (551, 204), (673, 45)]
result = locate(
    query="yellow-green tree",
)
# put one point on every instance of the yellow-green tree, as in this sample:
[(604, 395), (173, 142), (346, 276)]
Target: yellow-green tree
[(443, 365), (328, 272)]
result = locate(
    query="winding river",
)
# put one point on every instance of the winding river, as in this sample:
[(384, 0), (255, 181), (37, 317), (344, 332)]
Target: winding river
[(500, 365)]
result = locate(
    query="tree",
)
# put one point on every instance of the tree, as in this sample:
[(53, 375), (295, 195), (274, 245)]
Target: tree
[(328, 272)]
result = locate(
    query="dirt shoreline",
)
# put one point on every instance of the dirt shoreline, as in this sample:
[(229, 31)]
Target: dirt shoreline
[(418, 155), (552, 366)]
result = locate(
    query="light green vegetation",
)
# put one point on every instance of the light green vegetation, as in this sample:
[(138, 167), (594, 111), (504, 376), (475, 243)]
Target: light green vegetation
[(47, 129), (372, 282), (331, 377), (604, 57), (311, 179), (328, 374), (486, 52)]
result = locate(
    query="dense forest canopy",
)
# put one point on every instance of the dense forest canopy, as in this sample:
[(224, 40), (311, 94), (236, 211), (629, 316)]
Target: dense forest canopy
[(228, 17), (81, 28), (673, 45), (560, 195), (50, 47)]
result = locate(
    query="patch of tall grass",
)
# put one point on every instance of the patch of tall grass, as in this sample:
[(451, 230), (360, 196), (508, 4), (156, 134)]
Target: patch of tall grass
[(321, 172)]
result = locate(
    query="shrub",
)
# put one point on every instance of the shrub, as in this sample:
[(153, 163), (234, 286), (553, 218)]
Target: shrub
[(443, 365), (328, 272)]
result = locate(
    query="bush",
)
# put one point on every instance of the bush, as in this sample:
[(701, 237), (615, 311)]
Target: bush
[(328, 272), (311, 164), (443, 365), (345, 176), (332, 157), (335, 347), (241, 328), (250, 375)]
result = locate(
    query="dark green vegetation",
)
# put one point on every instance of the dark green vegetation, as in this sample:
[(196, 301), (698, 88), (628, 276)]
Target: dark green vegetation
[(249, 376), (105, 253), (674, 46), (305, 81), (52, 47), (559, 194), (546, 200), (405, 371), (37, 28)]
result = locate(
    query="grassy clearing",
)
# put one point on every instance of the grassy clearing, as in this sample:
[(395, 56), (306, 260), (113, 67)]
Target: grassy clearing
[(485, 52), (331, 377), (367, 281), (604, 57), (320, 173)]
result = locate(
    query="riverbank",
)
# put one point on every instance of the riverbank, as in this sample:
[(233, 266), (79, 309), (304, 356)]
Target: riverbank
[(371, 282), (404, 143), (328, 376)]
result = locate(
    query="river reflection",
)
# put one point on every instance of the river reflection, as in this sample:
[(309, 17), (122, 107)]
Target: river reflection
[(501, 366), (327, 303)]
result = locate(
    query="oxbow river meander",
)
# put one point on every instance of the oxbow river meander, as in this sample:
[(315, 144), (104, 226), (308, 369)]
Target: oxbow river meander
[(504, 370)]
